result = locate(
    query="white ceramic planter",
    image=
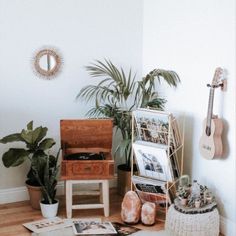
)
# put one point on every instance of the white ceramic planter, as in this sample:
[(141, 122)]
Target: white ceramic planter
[(49, 210)]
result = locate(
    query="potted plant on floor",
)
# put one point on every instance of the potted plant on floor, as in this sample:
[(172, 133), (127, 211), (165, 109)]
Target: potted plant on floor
[(48, 183), (35, 150), (117, 95)]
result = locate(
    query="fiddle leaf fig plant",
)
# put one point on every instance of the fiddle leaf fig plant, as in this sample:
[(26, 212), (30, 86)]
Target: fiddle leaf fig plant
[(35, 150), (118, 93)]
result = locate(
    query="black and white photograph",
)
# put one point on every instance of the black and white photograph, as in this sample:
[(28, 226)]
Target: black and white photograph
[(82, 227), (152, 161)]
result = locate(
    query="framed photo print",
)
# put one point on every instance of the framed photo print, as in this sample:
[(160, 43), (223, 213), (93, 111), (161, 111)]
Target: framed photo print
[(152, 161), (152, 126)]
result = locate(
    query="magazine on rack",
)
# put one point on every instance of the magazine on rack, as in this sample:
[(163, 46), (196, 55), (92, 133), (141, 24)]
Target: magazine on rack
[(150, 190), (153, 161), (153, 126)]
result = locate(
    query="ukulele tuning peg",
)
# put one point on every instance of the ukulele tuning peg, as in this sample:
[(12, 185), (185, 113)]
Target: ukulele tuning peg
[(223, 78), (224, 85)]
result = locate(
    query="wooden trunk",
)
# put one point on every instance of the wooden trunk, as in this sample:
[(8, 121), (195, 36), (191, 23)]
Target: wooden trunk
[(87, 136)]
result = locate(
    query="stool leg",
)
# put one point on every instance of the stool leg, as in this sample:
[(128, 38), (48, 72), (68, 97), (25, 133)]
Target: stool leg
[(105, 193), (100, 193), (68, 199), (65, 188)]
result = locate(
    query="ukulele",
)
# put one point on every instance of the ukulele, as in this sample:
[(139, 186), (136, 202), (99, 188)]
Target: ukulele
[(210, 142)]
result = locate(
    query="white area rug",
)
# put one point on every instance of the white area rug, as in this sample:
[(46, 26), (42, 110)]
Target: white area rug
[(69, 232), (151, 233)]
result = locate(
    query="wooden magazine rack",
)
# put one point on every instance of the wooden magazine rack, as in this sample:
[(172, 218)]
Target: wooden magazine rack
[(86, 136), (156, 135)]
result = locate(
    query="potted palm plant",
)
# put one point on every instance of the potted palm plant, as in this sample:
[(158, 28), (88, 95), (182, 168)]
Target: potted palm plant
[(35, 151), (48, 183), (117, 94)]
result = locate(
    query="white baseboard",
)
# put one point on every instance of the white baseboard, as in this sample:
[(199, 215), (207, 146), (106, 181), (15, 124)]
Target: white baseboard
[(227, 227), (13, 195), (21, 193)]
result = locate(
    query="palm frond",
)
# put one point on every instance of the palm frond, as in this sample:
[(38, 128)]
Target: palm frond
[(120, 85), (169, 76)]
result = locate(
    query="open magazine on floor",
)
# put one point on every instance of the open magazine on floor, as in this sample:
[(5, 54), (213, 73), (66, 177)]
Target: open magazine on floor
[(79, 226), (46, 225), (84, 227), (92, 227), (124, 229)]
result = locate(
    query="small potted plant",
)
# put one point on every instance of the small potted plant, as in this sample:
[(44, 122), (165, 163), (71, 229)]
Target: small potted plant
[(48, 183), (183, 194), (35, 150), (208, 197)]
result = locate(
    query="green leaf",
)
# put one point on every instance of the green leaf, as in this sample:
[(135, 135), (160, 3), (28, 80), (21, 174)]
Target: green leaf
[(11, 138), (38, 134), (34, 136), (30, 125), (14, 157), (26, 136), (46, 144), (38, 163), (41, 135)]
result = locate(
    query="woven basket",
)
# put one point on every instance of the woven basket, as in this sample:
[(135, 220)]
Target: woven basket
[(180, 224)]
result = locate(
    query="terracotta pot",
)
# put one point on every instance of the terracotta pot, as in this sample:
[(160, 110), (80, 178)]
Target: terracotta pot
[(35, 196), (183, 201), (197, 203), (124, 179)]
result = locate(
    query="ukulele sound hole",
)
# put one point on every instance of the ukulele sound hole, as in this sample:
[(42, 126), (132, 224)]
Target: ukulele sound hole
[(208, 131)]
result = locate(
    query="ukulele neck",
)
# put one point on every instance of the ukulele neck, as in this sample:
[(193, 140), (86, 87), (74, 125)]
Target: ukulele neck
[(210, 111)]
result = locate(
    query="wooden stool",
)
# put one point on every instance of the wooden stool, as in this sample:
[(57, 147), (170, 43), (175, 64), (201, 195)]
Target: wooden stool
[(104, 196)]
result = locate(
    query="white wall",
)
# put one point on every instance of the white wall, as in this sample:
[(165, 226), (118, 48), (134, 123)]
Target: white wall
[(83, 30), (193, 38)]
